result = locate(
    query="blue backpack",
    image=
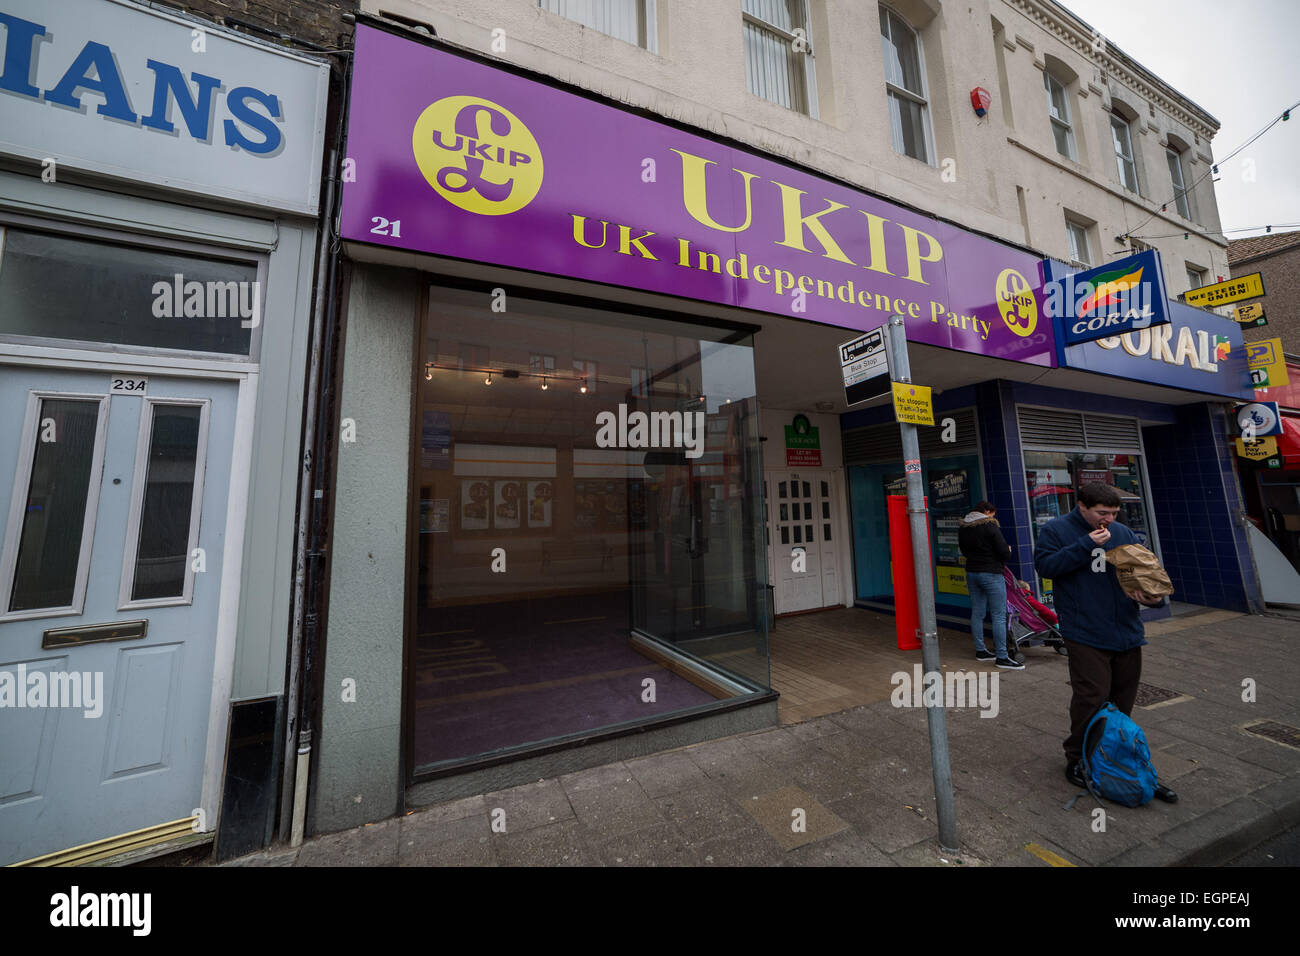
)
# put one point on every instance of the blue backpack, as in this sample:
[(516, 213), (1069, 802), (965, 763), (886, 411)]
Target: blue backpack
[(1116, 759)]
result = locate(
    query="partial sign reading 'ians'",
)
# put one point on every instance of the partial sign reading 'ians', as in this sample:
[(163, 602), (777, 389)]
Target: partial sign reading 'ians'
[(253, 113)]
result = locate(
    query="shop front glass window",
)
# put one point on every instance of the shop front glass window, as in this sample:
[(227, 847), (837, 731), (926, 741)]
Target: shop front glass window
[(1053, 480), (572, 545)]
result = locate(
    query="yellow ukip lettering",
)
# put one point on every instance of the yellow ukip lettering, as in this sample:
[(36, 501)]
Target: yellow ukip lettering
[(919, 247), (914, 257), (795, 223), (876, 233), (695, 192)]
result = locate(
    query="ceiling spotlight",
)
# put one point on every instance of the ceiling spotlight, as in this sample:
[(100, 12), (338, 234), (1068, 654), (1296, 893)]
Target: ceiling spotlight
[(583, 387), (488, 380), (428, 371), (544, 385)]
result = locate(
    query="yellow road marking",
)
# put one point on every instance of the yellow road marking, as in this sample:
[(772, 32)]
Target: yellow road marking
[(1047, 856)]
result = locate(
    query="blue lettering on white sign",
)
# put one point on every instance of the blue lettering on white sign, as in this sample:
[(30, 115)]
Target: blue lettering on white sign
[(255, 113)]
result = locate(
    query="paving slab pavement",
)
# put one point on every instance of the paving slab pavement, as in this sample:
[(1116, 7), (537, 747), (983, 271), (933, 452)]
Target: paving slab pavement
[(854, 788)]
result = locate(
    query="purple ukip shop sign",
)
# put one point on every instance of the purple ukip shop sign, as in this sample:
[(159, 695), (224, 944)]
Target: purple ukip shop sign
[(456, 158)]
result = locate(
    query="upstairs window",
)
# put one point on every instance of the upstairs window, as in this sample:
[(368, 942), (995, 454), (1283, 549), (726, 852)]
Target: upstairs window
[(905, 86), (1058, 108), (1080, 255), (632, 21), (778, 53), (1195, 277), (1176, 179), (1123, 140)]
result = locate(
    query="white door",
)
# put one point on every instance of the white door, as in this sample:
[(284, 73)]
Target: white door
[(113, 518), (804, 549)]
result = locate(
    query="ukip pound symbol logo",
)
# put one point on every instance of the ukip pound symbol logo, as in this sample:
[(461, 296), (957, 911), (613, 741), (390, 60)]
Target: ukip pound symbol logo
[(477, 155), (1016, 302)]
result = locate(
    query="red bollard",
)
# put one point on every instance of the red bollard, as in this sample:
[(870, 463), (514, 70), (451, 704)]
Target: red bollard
[(907, 615)]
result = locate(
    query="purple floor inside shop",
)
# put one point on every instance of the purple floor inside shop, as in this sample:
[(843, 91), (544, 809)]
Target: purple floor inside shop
[(494, 676)]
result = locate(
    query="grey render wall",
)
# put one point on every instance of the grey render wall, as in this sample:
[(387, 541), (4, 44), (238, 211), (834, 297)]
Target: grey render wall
[(267, 586), (359, 756)]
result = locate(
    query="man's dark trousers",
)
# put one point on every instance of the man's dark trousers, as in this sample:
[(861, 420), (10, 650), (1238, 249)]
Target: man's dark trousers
[(1097, 676)]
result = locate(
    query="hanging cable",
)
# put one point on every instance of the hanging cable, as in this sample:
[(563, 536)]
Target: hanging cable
[(1281, 117)]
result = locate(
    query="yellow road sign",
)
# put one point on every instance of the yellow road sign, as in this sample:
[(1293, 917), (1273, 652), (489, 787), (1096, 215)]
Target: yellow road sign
[(1257, 450), (1233, 290), (912, 404)]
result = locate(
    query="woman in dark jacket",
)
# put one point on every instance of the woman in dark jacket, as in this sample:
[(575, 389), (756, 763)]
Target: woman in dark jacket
[(986, 552)]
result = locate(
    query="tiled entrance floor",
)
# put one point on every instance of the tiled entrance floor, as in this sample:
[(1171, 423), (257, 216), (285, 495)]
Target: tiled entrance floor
[(832, 660)]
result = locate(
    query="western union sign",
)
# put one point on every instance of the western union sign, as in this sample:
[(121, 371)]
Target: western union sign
[(1221, 293)]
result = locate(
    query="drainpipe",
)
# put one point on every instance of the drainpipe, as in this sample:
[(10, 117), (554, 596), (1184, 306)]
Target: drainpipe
[(310, 554), (306, 509)]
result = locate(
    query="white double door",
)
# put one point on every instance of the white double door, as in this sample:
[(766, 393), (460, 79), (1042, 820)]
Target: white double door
[(803, 539)]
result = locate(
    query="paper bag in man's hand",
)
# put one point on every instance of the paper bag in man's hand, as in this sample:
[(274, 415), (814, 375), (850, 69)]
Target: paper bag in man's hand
[(1139, 570)]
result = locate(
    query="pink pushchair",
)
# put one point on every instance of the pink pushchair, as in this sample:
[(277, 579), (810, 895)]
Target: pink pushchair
[(1029, 623)]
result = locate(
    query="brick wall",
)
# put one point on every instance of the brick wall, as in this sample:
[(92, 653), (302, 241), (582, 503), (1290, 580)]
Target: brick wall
[(317, 21), (1281, 272)]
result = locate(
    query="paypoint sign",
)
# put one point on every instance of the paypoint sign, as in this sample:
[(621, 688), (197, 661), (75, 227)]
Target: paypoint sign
[(1123, 296)]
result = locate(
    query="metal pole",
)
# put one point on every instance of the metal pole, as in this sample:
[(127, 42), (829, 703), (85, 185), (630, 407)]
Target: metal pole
[(901, 371)]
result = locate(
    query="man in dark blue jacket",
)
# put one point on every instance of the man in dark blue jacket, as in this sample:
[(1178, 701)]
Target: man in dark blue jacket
[(1100, 621)]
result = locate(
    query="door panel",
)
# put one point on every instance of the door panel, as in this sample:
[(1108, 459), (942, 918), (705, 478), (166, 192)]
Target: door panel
[(118, 743)]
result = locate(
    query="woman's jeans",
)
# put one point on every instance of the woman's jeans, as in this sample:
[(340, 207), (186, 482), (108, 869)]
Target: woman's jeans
[(988, 591)]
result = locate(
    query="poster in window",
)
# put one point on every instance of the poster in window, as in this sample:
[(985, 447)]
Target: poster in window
[(433, 515), (895, 485), (539, 504), (613, 506), (475, 502), (950, 490), (435, 441), (508, 501), (950, 500), (586, 505)]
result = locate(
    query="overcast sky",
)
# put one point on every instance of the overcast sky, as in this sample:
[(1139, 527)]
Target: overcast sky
[(1241, 62)]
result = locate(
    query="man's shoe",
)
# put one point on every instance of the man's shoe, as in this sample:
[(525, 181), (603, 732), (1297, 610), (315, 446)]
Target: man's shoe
[(985, 656), (1075, 775), (1010, 664), (1165, 794)]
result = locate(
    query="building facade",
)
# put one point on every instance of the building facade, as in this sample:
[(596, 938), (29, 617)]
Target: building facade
[(594, 432), (159, 192)]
